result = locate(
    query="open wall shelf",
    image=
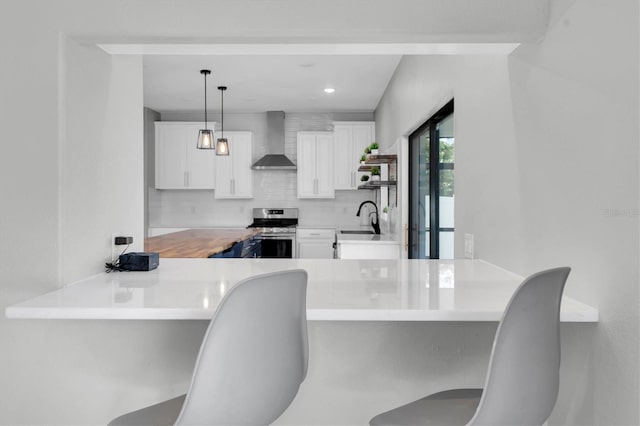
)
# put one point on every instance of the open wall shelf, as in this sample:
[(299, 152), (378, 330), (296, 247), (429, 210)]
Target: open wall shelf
[(387, 163), (375, 161), (381, 159), (377, 184)]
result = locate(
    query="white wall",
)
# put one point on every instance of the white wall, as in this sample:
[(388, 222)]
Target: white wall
[(547, 174), (101, 157), (582, 125), (79, 182), (150, 117)]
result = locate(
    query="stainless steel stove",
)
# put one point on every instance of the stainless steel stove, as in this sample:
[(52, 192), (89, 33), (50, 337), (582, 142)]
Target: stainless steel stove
[(278, 231)]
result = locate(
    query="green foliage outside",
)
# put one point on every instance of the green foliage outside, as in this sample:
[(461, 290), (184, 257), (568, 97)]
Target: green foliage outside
[(447, 155), (446, 176), (446, 151)]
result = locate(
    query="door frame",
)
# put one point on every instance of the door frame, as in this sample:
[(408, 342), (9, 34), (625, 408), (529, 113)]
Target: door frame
[(434, 182)]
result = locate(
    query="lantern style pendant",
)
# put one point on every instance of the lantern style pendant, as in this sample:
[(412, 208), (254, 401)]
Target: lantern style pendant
[(222, 145), (205, 136)]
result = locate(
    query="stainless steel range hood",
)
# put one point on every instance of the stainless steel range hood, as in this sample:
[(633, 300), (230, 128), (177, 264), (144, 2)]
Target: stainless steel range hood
[(275, 158)]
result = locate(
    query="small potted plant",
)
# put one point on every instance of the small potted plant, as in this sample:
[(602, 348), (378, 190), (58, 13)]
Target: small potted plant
[(363, 158), (367, 151), (385, 214), (385, 222), (364, 178), (374, 148), (375, 173)]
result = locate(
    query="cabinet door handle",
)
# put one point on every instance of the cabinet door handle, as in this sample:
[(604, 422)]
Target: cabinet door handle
[(230, 186), (234, 186)]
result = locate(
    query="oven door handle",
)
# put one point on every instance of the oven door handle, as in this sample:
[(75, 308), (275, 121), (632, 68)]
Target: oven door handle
[(276, 237)]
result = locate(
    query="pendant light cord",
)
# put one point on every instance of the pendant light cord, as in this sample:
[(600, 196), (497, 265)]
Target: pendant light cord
[(205, 73), (222, 114), (205, 101), (222, 89)]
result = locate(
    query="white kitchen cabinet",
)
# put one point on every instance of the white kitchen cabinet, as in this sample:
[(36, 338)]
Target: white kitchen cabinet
[(234, 177), (315, 165), (370, 250), (350, 138), (315, 243), (179, 164)]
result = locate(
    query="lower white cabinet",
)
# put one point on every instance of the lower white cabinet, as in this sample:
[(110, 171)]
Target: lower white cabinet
[(315, 243), (367, 250)]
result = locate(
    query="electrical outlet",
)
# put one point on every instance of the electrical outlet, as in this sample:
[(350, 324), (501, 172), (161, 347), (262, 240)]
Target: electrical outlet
[(123, 241), (118, 246), (468, 246)]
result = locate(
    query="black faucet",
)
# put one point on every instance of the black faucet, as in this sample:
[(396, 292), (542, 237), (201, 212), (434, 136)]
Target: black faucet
[(374, 222)]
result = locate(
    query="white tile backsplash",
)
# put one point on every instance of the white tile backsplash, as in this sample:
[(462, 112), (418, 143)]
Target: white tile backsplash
[(185, 209)]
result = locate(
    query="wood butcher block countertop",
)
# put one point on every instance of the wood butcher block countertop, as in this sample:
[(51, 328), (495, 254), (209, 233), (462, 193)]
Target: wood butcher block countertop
[(200, 243)]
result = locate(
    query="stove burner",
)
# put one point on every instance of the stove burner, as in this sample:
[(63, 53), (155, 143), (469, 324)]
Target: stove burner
[(275, 218)]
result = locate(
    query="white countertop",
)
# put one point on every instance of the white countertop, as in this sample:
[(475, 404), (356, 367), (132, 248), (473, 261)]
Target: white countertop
[(338, 290)]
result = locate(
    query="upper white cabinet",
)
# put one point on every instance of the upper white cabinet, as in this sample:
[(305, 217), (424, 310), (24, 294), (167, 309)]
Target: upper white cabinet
[(179, 164), (234, 177), (350, 140), (315, 165)]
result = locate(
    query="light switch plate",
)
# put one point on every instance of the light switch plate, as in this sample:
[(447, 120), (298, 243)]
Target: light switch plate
[(468, 246)]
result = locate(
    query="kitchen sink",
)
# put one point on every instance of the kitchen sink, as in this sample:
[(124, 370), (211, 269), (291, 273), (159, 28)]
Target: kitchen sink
[(357, 232)]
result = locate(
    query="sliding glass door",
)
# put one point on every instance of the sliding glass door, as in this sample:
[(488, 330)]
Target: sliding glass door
[(431, 191)]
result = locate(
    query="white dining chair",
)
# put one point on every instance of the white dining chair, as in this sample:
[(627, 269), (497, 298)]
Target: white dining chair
[(522, 382), (252, 360)]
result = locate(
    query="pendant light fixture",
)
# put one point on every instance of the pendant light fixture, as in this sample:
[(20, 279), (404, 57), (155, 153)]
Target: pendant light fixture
[(205, 136), (222, 145)]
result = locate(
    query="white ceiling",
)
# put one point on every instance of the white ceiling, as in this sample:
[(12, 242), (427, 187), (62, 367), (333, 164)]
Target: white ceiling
[(282, 77), (267, 82)]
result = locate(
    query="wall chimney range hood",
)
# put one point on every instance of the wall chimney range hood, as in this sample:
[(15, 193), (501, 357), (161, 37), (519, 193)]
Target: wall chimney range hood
[(275, 158)]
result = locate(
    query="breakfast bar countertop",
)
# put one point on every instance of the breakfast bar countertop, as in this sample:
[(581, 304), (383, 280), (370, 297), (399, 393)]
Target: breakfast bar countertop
[(197, 242), (338, 290)]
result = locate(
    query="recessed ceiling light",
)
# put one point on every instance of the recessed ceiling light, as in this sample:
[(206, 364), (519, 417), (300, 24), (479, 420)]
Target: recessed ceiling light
[(329, 90)]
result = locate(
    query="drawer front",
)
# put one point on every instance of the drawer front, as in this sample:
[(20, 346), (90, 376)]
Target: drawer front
[(315, 234)]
